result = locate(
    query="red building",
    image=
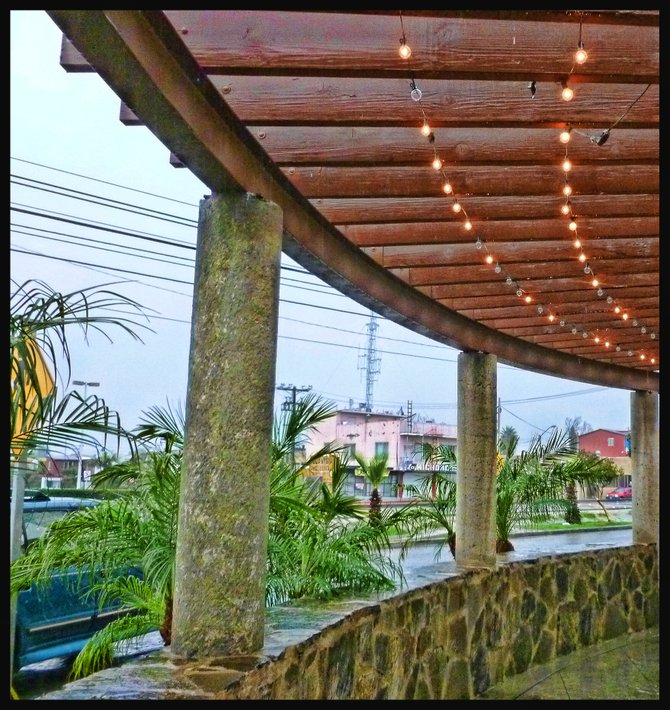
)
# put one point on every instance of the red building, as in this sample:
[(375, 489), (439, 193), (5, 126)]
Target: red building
[(610, 444)]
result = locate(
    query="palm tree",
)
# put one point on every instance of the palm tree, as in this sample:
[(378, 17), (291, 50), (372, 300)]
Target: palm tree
[(375, 470), (39, 324), (507, 434)]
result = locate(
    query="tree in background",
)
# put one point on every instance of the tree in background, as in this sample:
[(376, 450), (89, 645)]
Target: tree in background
[(574, 427), (375, 470)]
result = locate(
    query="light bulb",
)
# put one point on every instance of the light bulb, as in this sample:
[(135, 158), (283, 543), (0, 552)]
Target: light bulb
[(567, 166), (600, 292), (624, 316), (478, 243), (610, 299), (508, 280), (642, 356), (653, 360), (607, 343), (581, 55), (405, 50), (540, 310), (437, 163), (565, 209), (497, 268), (587, 269), (576, 243), (643, 330), (635, 322), (448, 189), (415, 93), (425, 129), (456, 207), (653, 336), (468, 225), (562, 323), (573, 225), (551, 317), (489, 259), (528, 299), (567, 92), (618, 348), (594, 283), (630, 352), (573, 330), (617, 309), (567, 190), (565, 136), (596, 339), (582, 257), (585, 334), (519, 292)]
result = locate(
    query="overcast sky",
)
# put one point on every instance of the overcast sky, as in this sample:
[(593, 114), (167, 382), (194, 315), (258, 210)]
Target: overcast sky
[(73, 161)]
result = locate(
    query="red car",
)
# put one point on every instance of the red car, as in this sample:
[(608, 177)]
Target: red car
[(623, 493)]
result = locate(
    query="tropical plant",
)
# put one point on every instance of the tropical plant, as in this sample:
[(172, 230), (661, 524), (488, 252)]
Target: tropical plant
[(135, 530), (375, 470), (320, 544), (39, 357)]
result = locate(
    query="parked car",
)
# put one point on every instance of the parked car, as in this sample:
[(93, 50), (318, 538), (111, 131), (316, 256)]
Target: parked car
[(58, 618), (621, 493)]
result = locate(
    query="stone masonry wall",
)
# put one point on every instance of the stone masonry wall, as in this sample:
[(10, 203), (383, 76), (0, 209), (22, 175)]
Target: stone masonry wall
[(454, 638)]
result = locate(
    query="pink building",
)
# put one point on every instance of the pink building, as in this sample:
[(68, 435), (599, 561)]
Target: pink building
[(372, 433)]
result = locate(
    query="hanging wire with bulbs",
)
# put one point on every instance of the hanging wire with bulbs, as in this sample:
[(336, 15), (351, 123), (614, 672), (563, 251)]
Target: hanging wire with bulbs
[(580, 57)]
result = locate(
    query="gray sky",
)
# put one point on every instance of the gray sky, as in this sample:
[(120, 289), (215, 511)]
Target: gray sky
[(72, 160)]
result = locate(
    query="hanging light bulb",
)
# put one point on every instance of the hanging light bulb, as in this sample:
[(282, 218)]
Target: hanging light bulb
[(643, 330), (576, 244), (405, 50), (641, 356), (565, 136), (528, 299), (415, 91), (635, 322), (653, 336), (551, 317), (567, 166), (573, 330), (540, 310), (497, 268), (653, 360), (587, 269), (582, 257), (456, 207), (607, 343), (489, 259), (594, 283), (519, 292), (478, 243), (617, 309), (618, 348), (630, 353), (508, 280), (425, 129), (573, 224), (562, 323), (610, 299), (447, 188), (468, 225), (596, 339), (624, 316), (581, 55), (567, 190), (437, 163), (600, 292), (567, 92), (565, 208), (585, 334)]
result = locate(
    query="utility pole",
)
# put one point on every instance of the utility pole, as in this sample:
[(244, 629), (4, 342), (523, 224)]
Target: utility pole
[(80, 463), (372, 362), (288, 405), (499, 412)]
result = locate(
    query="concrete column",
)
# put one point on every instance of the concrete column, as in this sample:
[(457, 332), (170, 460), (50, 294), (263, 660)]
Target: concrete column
[(644, 458), (219, 605), (476, 449)]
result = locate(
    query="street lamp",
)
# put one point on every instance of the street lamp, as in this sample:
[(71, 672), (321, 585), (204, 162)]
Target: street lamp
[(80, 463)]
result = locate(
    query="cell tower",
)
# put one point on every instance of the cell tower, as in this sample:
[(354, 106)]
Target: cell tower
[(370, 361)]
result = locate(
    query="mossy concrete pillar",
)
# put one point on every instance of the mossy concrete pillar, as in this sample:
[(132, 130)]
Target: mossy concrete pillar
[(644, 459), (476, 449), (219, 605)]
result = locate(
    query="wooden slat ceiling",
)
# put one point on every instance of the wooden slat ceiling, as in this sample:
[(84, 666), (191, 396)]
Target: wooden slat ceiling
[(316, 114)]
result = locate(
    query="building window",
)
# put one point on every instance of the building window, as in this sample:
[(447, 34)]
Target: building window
[(610, 441), (349, 451), (381, 448)]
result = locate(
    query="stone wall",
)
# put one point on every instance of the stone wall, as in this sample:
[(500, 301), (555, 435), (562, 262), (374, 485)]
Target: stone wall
[(454, 638)]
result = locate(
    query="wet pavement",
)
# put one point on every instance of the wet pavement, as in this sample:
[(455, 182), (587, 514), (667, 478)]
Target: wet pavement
[(623, 668)]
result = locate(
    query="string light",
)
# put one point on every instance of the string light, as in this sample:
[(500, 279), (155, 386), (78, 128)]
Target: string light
[(565, 137)]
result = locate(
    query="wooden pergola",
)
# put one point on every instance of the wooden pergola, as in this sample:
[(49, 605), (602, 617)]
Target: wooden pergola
[(314, 111)]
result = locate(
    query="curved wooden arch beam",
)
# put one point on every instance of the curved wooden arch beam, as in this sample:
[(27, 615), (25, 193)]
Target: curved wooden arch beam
[(144, 61)]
